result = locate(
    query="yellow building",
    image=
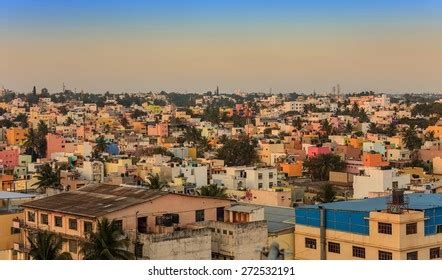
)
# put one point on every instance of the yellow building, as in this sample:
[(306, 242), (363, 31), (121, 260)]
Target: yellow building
[(371, 229), (16, 135), (119, 166), (355, 142), (9, 230), (280, 223)]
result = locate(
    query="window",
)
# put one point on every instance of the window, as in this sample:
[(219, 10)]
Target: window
[(220, 214), (259, 176), (141, 224), (434, 253), (73, 246), (395, 185), (199, 215), (270, 184), (15, 230), (73, 224), (271, 175), (44, 219), (31, 216), (87, 227), (439, 229), (310, 243), (334, 247), (385, 255), (224, 231), (58, 221), (412, 255), (358, 252), (384, 228), (260, 186), (411, 228), (119, 224)]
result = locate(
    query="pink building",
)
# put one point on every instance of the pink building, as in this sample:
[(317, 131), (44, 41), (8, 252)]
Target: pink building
[(9, 157), (159, 129), (58, 144), (314, 151)]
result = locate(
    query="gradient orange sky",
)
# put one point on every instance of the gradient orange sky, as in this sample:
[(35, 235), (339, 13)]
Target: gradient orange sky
[(385, 49)]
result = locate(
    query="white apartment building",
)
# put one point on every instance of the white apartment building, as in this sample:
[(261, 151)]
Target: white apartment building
[(374, 181), (92, 171), (240, 177), (195, 174), (297, 106)]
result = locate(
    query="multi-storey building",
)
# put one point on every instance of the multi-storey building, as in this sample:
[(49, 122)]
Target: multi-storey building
[(398, 228), (242, 177), (153, 220)]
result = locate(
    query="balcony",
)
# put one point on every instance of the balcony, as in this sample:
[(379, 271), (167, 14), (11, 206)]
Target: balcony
[(18, 223)]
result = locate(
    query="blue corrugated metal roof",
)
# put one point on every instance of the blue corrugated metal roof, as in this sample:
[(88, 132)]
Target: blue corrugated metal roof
[(417, 201)]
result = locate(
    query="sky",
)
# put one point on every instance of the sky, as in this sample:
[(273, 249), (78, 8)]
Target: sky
[(387, 46)]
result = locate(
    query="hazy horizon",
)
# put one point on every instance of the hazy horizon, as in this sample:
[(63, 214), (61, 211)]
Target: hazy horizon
[(193, 46)]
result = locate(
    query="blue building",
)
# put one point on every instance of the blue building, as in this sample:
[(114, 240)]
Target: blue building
[(406, 229)]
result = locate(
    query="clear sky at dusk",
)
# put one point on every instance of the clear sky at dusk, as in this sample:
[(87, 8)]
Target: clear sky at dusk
[(299, 45)]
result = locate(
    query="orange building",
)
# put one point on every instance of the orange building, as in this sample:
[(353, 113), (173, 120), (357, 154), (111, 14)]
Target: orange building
[(373, 160), (292, 169), (355, 142), (16, 135)]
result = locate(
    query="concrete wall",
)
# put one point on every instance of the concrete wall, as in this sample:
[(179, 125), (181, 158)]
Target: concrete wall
[(192, 244), (241, 241)]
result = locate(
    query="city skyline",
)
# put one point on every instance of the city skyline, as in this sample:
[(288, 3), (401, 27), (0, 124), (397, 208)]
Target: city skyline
[(104, 46)]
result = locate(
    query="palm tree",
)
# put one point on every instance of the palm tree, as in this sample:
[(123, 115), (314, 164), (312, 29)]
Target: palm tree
[(212, 190), (429, 136), (48, 178), (46, 245), (192, 134), (348, 127), (107, 243), (32, 143), (154, 182), (320, 166), (100, 146), (411, 140)]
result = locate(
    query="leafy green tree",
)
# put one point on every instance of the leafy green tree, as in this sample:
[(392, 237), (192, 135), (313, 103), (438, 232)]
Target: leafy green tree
[(22, 119), (69, 121), (154, 182), (320, 166), (237, 152), (212, 191), (107, 243), (124, 122), (46, 245), (192, 134), (327, 194)]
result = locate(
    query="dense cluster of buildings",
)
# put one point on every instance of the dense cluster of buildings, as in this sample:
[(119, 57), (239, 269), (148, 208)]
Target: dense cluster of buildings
[(146, 162)]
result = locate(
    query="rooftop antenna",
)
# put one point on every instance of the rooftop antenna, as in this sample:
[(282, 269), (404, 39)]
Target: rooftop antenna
[(64, 87)]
